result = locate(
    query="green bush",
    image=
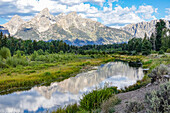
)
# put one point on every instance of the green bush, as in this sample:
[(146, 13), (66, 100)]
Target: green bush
[(5, 53), (2, 63), (158, 72), (40, 52), (134, 107), (18, 54), (48, 58), (34, 56), (168, 50), (46, 52), (161, 52), (94, 99), (159, 101), (14, 61), (108, 105)]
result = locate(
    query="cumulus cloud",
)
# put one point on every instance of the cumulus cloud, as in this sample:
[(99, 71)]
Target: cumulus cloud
[(167, 17), (118, 15), (106, 14), (147, 12)]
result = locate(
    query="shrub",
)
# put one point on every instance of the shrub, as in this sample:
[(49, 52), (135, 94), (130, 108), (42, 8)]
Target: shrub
[(41, 58), (108, 105), (14, 61), (158, 72), (2, 63), (161, 52), (46, 53), (168, 50), (40, 52), (5, 53), (18, 54), (94, 99), (159, 101), (34, 56), (134, 107)]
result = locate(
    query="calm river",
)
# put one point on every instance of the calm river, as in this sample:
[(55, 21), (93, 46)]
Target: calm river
[(59, 94)]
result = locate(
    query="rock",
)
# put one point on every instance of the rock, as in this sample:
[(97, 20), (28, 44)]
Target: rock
[(138, 30), (71, 28), (43, 20), (14, 24)]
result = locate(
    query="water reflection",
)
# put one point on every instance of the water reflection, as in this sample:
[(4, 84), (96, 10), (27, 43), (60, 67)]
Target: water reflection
[(59, 94)]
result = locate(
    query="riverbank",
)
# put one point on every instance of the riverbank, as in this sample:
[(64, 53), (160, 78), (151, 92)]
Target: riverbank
[(137, 100), (135, 91), (41, 73), (134, 96)]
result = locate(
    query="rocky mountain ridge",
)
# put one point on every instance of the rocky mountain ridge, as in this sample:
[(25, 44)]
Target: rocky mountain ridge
[(73, 29), (70, 28), (14, 24), (138, 30)]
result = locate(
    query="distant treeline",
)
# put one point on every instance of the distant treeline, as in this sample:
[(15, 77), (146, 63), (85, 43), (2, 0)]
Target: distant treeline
[(160, 41)]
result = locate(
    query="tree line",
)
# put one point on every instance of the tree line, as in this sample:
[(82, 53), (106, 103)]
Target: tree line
[(158, 41)]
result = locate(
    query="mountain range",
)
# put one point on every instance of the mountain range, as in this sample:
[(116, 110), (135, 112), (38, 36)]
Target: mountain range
[(73, 29), (138, 30)]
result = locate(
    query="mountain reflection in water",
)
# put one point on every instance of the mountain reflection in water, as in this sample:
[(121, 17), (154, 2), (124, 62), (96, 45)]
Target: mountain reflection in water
[(59, 94)]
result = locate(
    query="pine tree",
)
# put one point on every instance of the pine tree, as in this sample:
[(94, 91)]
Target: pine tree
[(1, 35), (146, 47), (152, 40), (159, 28), (35, 45)]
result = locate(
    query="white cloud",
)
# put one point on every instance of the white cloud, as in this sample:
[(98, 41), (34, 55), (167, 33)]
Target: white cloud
[(29, 5), (167, 17), (86, 8), (147, 11), (156, 10), (117, 16)]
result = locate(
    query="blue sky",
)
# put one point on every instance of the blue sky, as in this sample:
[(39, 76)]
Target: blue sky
[(113, 13)]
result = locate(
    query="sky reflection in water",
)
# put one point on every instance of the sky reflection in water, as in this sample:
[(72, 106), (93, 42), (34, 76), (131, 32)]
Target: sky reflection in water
[(59, 94)]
